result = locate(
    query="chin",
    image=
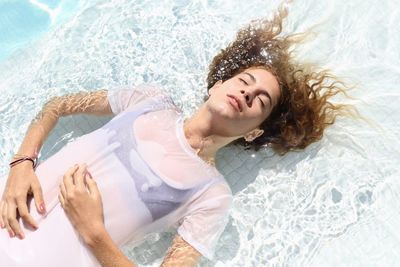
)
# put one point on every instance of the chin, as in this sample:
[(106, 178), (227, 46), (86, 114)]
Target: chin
[(225, 110)]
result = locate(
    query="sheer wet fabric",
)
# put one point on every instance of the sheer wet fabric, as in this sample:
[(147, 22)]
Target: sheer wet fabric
[(149, 177)]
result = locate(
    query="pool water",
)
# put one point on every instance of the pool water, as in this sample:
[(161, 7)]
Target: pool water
[(334, 204), (22, 21)]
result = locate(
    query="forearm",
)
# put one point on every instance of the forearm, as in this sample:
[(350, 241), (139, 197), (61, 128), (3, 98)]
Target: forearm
[(39, 129), (106, 251), (95, 103)]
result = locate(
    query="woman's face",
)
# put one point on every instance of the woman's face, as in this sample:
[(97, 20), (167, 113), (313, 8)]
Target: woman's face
[(240, 104)]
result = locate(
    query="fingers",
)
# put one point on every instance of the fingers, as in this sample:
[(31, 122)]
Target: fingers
[(68, 179), (4, 218), (91, 185), (62, 195), (38, 196), (3, 215), (24, 213), (5, 221), (73, 179), (79, 176), (2, 225), (62, 200), (63, 191), (9, 217), (12, 223)]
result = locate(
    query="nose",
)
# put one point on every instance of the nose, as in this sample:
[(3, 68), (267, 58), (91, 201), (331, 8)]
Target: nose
[(247, 96)]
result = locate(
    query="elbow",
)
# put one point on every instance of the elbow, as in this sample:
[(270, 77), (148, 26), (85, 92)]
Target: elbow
[(54, 107)]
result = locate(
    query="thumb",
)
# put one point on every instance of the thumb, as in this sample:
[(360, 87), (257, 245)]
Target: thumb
[(38, 196)]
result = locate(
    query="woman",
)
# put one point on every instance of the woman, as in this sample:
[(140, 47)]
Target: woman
[(148, 168)]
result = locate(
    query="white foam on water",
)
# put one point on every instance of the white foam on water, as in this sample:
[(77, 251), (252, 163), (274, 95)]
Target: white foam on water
[(53, 13)]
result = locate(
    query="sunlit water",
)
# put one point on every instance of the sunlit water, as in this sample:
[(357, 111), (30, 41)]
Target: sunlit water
[(334, 204), (24, 21)]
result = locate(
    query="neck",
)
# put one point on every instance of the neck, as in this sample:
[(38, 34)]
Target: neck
[(202, 137)]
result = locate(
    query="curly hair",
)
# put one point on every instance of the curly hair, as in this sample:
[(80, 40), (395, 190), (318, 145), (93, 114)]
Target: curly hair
[(304, 110)]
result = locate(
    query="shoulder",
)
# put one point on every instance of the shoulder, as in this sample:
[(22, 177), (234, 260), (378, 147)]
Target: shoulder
[(151, 89), (135, 96), (220, 188), (206, 219), (217, 196), (145, 89), (157, 94)]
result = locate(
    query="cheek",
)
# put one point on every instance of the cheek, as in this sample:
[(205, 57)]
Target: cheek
[(220, 106), (255, 120), (251, 124)]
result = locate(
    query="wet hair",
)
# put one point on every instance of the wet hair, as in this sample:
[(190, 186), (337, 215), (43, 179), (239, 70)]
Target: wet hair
[(304, 109)]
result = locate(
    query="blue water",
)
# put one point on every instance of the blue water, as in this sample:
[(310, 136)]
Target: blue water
[(334, 204), (23, 21)]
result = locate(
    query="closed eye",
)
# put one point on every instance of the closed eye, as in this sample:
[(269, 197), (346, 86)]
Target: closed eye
[(262, 103), (243, 81)]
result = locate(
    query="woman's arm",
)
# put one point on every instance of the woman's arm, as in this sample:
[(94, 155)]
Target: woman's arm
[(22, 179), (106, 251), (81, 201), (82, 102), (95, 103), (181, 254)]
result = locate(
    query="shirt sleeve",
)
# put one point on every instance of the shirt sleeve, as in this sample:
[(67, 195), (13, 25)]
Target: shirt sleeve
[(125, 97), (206, 219)]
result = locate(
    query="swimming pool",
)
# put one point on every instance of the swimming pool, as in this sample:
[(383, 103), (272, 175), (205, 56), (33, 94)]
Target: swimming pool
[(334, 204), (22, 21)]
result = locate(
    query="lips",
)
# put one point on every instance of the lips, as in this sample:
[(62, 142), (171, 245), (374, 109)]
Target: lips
[(235, 102)]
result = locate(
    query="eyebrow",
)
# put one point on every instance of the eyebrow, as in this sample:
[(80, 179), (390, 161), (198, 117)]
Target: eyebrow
[(263, 92)]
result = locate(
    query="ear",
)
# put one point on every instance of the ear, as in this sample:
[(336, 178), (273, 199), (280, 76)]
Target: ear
[(211, 90), (250, 136)]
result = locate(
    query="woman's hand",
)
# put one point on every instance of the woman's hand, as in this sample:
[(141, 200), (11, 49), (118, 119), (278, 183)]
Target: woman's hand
[(81, 201), (21, 183)]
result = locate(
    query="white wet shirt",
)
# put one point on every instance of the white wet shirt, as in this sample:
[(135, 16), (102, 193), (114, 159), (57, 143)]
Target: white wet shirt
[(200, 194), (149, 178)]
